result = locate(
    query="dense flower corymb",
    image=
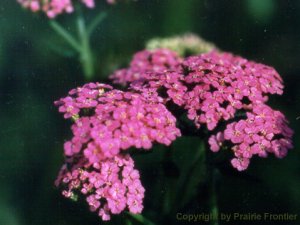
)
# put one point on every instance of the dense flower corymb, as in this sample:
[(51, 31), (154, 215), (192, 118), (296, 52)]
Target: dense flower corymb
[(220, 84), (263, 131), (218, 87), (109, 186), (222, 87), (52, 8), (108, 121)]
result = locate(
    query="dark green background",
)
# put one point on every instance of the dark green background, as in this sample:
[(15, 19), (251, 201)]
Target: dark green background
[(36, 68)]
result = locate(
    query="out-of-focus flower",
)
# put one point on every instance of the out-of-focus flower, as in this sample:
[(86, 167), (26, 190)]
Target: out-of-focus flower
[(146, 61), (52, 8), (185, 45), (109, 187)]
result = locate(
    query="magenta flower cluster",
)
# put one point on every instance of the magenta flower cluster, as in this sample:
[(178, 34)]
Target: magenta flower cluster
[(52, 8), (119, 121), (109, 186), (108, 122), (263, 131), (221, 94), (215, 88)]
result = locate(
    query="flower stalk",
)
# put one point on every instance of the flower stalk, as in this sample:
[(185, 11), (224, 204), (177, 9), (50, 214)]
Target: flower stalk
[(86, 57), (140, 218), (81, 44), (213, 204)]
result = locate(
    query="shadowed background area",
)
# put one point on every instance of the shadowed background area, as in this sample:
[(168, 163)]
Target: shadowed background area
[(36, 68)]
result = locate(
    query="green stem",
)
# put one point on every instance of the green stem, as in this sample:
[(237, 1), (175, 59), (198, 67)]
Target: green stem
[(65, 35), (185, 180), (82, 45), (140, 218), (128, 222), (212, 176), (168, 180), (214, 210), (86, 57)]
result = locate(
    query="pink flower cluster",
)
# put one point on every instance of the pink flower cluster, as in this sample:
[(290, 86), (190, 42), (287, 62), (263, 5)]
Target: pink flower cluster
[(159, 60), (107, 122), (52, 8), (221, 84), (81, 98), (114, 121), (213, 86), (109, 186), (217, 87), (220, 92), (263, 131)]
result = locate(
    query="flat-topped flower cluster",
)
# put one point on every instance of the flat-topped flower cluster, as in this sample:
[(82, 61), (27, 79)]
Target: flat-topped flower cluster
[(221, 94), (225, 93), (107, 123), (109, 186), (52, 8)]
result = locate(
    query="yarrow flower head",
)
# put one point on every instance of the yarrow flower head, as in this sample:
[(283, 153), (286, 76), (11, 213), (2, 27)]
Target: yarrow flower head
[(146, 61), (263, 131), (109, 187), (220, 84), (52, 8), (218, 87), (106, 123)]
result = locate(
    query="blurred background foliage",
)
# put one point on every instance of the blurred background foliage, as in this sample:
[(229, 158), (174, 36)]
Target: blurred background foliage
[(36, 68)]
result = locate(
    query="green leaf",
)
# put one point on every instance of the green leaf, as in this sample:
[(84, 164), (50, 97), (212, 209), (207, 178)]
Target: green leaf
[(65, 35)]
